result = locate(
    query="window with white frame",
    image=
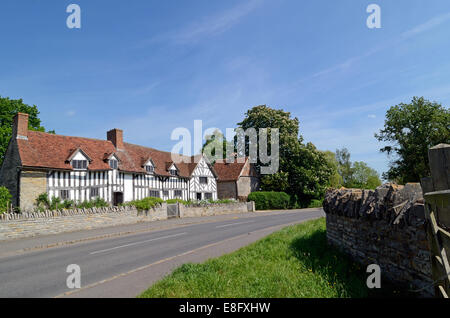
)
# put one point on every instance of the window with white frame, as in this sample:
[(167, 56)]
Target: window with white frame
[(166, 193), (149, 168), (173, 172), (79, 164), (113, 163), (203, 180), (208, 196)]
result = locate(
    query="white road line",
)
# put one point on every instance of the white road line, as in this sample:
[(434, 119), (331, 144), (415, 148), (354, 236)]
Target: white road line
[(217, 227), (135, 243)]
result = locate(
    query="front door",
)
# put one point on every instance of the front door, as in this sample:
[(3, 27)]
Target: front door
[(199, 196), (118, 198)]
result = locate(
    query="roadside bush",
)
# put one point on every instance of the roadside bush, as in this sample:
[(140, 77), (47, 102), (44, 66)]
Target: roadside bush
[(55, 203), (96, 203), (315, 204), (270, 200), (5, 199), (146, 204), (42, 201), (172, 201), (67, 204)]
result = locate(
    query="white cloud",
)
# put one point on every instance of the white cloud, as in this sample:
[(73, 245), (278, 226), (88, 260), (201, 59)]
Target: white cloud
[(209, 26), (430, 24), (70, 113), (372, 116)]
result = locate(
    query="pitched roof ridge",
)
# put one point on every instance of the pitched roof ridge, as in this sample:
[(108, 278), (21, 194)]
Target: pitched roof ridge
[(154, 149), (59, 135)]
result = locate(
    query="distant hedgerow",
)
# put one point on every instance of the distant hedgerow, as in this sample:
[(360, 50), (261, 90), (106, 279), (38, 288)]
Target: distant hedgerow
[(269, 200)]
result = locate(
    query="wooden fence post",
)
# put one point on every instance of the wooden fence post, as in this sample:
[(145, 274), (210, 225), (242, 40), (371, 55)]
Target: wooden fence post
[(436, 191)]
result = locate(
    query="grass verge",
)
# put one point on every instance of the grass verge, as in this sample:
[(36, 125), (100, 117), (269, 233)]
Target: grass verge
[(294, 262)]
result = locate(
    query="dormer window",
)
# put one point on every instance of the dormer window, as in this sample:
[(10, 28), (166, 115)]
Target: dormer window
[(172, 169), (78, 159), (149, 166), (79, 164), (113, 163)]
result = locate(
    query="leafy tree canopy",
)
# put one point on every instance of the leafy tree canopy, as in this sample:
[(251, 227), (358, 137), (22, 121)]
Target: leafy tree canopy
[(336, 179), (8, 109), (215, 141), (304, 172), (410, 130), (355, 174)]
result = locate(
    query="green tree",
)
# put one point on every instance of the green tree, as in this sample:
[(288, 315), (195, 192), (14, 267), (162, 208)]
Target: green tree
[(363, 176), (304, 171), (410, 130), (344, 165), (5, 199), (335, 179), (8, 109), (355, 174), (215, 141)]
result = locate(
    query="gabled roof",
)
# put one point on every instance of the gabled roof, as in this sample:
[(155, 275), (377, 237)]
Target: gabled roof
[(44, 150), (108, 156), (74, 153), (229, 171)]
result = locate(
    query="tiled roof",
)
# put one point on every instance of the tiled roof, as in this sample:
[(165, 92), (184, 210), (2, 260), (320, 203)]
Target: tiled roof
[(44, 150), (229, 171)]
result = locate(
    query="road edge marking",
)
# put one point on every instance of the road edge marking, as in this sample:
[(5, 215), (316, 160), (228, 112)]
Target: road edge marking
[(176, 256)]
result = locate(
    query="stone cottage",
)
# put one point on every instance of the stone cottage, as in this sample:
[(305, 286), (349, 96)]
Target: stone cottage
[(237, 179)]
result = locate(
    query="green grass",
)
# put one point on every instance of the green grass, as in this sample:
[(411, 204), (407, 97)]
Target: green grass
[(294, 262)]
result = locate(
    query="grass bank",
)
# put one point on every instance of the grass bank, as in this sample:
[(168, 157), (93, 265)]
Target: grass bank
[(294, 262)]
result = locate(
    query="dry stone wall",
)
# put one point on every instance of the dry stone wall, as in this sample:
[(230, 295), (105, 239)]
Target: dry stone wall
[(216, 209), (27, 224), (385, 226)]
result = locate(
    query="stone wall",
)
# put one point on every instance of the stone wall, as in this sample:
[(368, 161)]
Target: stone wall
[(246, 185), (386, 227), (20, 225), (32, 184), (13, 226), (226, 190), (215, 209)]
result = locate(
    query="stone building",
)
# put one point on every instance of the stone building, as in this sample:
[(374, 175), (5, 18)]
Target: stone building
[(82, 169), (236, 180)]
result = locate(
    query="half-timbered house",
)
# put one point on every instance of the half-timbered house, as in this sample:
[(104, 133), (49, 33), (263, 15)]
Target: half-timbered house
[(82, 169)]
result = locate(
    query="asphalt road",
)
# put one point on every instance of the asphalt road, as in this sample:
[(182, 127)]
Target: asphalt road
[(42, 273)]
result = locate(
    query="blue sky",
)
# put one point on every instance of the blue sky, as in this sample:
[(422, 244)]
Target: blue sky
[(151, 66)]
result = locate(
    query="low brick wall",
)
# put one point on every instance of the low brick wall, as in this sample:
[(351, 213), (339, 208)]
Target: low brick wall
[(216, 209), (385, 227)]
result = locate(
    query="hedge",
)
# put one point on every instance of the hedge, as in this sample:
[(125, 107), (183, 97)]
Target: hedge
[(146, 203), (270, 200)]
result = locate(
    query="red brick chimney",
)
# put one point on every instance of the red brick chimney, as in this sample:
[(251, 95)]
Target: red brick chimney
[(20, 126), (116, 137)]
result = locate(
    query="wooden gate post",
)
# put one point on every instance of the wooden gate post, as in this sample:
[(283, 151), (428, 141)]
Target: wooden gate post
[(436, 191)]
